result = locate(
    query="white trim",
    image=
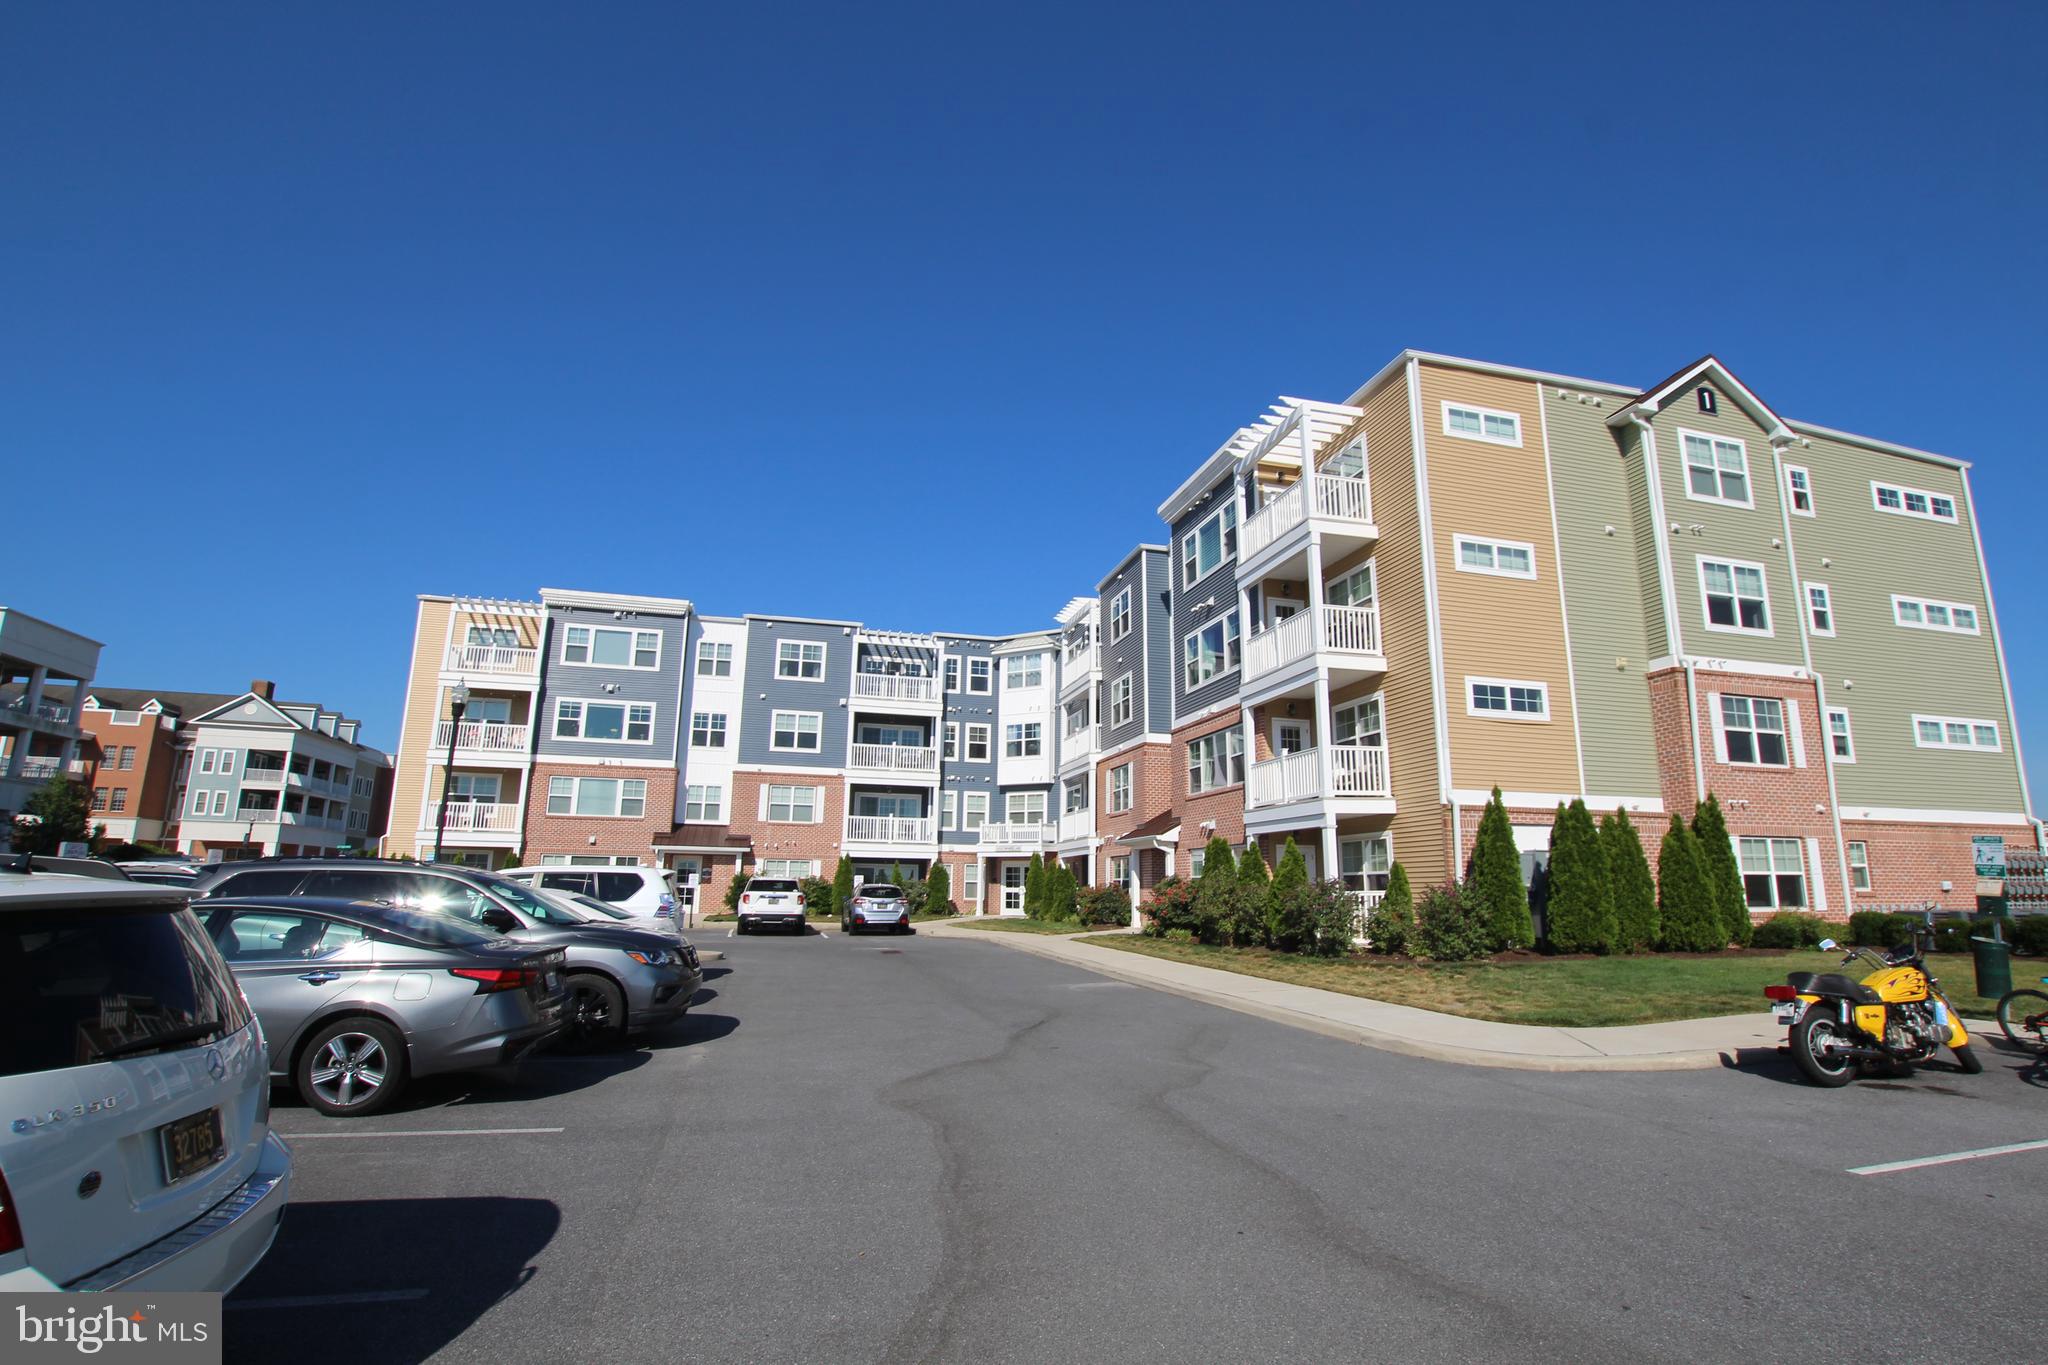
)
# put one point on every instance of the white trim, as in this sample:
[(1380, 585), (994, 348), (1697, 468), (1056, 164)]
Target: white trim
[(1827, 604), (1124, 595), (817, 803), (1130, 699), (1998, 648), (625, 706), (1224, 554), (1706, 615), (1816, 885), (1795, 732), (576, 791), (1720, 727), (949, 811), (1996, 746), (824, 659), (967, 799), (723, 730), (1459, 540), (697, 663), (1792, 494), (1484, 413), (1750, 667), (1849, 859), (949, 738), (1439, 700), (988, 662), (1712, 440), (633, 634), (774, 723), (1920, 815), (1640, 805), (1506, 684), (1953, 518), (988, 741), (1788, 712), (1828, 714), (1667, 576), (1921, 604), (954, 664), (1224, 666), (1130, 772)]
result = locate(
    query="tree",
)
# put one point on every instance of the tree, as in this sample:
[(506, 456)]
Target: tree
[(1495, 881), (842, 883), (1248, 898), (1688, 920), (1392, 922), (62, 810), (1634, 891), (938, 889), (1724, 874), (896, 874), (1034, 888), (1215, 891), (1334, 917), (1581, 906), (1287, 902), (735, 889), (1062, 893)]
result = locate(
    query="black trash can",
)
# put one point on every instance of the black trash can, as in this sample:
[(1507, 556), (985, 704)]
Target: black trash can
[(1993, 958)]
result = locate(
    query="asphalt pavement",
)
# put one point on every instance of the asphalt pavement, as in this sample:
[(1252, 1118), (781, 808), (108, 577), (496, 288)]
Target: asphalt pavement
[(938, 1148)]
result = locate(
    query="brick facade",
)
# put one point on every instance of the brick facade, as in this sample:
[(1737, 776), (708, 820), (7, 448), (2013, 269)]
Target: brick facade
[(1224, 806), (598, 834), (781, 839), (1909, 862)]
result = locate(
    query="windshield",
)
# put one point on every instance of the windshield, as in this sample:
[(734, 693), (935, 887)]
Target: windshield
[(526, 900), (882, 892)]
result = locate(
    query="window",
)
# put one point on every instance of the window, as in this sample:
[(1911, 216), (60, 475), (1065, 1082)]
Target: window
[(1364, 864), (1208, 545), (1026, 808), (952, 667), (604, 796), (1952, 732), (1120, 616), (1820, 609), (1753, 731), (470, 788), (220, 803), (1482, 424), (608, 722), (206, 758), (951, 750), (707, 730), (1353, 589), (949, 809), (792, 869), (1504, 699), (1023, 670), (1859, 865), (1197, 860), (800, 659), (1120, 701), (705, 803), (1210, 651), (1120, 789), (1120, 869), (790, 805), (1357, 723), (1773, 874), (99, 798), (1734, 592), (977, 743), (970, 885), (1716, 469), (601, 647), (797, 731), (980, 674), (1841, 744), (973, 810), (1075, 794), (714, 660), (227, 762), (1023, 740), (1216, 761), (500, 637), (1348, 463), (1507, 558), (1920, 613), (1077, 717), (117, 800), (1799, 490), (1912, 502)]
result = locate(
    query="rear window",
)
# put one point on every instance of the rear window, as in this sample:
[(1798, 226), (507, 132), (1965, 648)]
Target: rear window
[(81, 985), (436, 931), (771, 884), (882, 892), (618, 886)]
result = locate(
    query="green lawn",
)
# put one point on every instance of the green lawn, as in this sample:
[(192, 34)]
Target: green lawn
[(1030, 926), (1568, 992)]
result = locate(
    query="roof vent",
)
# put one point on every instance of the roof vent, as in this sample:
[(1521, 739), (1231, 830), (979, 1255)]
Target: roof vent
[(1707, 400)]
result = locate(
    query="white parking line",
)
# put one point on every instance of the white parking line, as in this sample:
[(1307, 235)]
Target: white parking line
[(418, 1132), (1886, 1168), (331, 1300)]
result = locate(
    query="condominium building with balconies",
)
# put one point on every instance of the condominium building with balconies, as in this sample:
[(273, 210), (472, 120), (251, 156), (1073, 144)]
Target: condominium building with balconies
[(263, 777), (46, 672)]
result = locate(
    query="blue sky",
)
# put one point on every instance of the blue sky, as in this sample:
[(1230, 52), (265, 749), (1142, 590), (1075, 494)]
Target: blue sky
[(913, 313)]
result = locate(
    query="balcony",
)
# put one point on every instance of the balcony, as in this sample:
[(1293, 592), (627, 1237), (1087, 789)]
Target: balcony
[(1077, 669), (263, 777), (1077, 745), (38, 769), (888, 829), (19, 710), (259, 815), (1024, 836), (1338, 506), (474, 817), (1076, 827), (500, 661), (895, 759), (1356, 770), (895, 687), (1350, 639), (481, 736)]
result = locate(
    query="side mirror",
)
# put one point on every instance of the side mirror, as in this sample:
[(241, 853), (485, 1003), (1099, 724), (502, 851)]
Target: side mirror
[(1828, 945)]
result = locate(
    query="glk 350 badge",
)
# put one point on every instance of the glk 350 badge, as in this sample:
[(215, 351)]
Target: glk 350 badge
[(56, 1116)]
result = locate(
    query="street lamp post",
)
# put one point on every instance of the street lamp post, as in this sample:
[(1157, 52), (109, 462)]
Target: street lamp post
[(458, 702)]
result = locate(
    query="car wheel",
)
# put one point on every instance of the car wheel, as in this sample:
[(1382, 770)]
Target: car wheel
[(797, 928), (351, 1067), (597, 1010)]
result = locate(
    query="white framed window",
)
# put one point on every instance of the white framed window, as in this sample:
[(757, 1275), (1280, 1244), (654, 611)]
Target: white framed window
[(952, 673), (1955, 732), (604, 722), (980, 676), (1504, 558), (198, 802), (1210, 651), (1212, 541), (1075, 794), (1358, 722), (1507, 699), (118, 800), (1716, 469), (714, 659), (1348, 463), (800, 660), (1216, 761), (790, 868), (1773, 873), (474, 787), (978, 743), (1120, 869), (1353, 589), (1077, 717), (1023, 670), (797, 731), (787, 804), (207, 757), (973, 810), (1120, 705), (1735, 595), (1024, 739), (1841, 742), (1025, 808), (1820, 609), (1922, 613), (1197, 860), (707, 730), (1859, 865), (616, 798), (603, 647), (1912, 502), (1120, 789), (970, 885), (1120, 615), (1365, 864), (1753, 732), (949, 810), (951, 742), (1799, 490), (1482, 424), (500, 637), (227, 761), (220, 803), (704, 802)]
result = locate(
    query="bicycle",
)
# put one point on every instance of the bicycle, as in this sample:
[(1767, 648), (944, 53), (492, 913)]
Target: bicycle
[(2023, 1014)]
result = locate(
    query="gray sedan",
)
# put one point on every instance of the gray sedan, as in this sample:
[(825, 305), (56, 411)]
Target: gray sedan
[(355, 999)]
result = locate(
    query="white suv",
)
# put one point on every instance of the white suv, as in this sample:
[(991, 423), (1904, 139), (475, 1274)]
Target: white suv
[(135, 1142), (642, 892)]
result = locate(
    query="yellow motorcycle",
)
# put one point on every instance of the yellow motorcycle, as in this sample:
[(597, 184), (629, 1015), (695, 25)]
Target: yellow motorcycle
[(1893, 1018)]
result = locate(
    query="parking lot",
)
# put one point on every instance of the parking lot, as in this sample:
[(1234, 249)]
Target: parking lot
[(930, 1148)]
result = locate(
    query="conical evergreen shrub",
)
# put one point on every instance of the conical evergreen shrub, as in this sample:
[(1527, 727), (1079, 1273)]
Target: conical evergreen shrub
[(1215, 891), (1392, 922), (1717, 852), (1248, 898), (1495, 882), (842, 885), (1581, 907), (1287, 907), (1034, 888), (1689, 921), (1634, 891), (938, 890)]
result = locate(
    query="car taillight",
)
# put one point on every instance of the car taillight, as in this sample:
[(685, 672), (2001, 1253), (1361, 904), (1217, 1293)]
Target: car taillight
[(1780, 993), (489, 979), (746, 898), (10, 1226), (799, 900)]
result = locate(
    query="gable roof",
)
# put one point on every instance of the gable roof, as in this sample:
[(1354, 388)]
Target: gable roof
[(173, 703), (275, 717), (1707, 367)]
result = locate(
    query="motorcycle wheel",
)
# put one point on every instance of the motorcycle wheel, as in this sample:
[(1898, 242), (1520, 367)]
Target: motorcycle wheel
[(1812, 1037), (1966, 1060)]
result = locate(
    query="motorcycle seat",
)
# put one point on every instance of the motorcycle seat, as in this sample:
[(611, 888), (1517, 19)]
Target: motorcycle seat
[(1833, 984)]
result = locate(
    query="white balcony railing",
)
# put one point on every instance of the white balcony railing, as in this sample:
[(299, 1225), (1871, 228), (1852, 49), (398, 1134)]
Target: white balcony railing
[(1079, 825), (261, 815), (1077, 667), (263, 777), (1279, 645), (490, 736), (1359, 769), (1356, 629), (475, 817), (888, 829), (1006, 835), (501, 659), (1355, 770), (38, 769), (894, 687), (42, 710), (897, 758), (1343, 498)]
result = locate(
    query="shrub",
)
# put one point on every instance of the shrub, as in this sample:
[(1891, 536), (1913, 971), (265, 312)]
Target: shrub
[(1171, 905), (1688, 920), (1451, 927), (1034, 888), (896, 874), (62, 809), (1634, 890), (1952, 935), (1788, 929), (842, 882), (1495, 882), (1335, 917), (1215, 891), (1248, 899), (817, 893), (1389, 925), (1724, 874), (1179, 936), (1287, 902), (1880, 929), (734, 890), (1581, 908), (2029, 934), (1062, 893), (938, 891), (1109, 905)]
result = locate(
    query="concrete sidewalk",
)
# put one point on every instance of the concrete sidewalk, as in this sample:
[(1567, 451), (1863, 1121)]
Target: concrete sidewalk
[(1689, 1044)]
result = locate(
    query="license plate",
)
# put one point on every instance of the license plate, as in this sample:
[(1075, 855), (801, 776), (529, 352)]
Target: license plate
[(1785, 1013), (191, 1144)]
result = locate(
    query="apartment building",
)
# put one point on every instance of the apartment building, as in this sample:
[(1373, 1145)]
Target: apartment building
[(139, 757), (267, 778), (45, 672)]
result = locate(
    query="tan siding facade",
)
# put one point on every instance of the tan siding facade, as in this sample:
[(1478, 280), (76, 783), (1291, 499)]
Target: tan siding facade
[(416, 729)]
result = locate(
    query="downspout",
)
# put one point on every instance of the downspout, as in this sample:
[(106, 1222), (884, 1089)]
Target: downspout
[(1653, 481)]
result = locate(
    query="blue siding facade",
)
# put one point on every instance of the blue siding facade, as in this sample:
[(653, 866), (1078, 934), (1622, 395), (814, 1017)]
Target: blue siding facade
[(767, 693), (1210, 599), (963, 708), (660, 686)]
